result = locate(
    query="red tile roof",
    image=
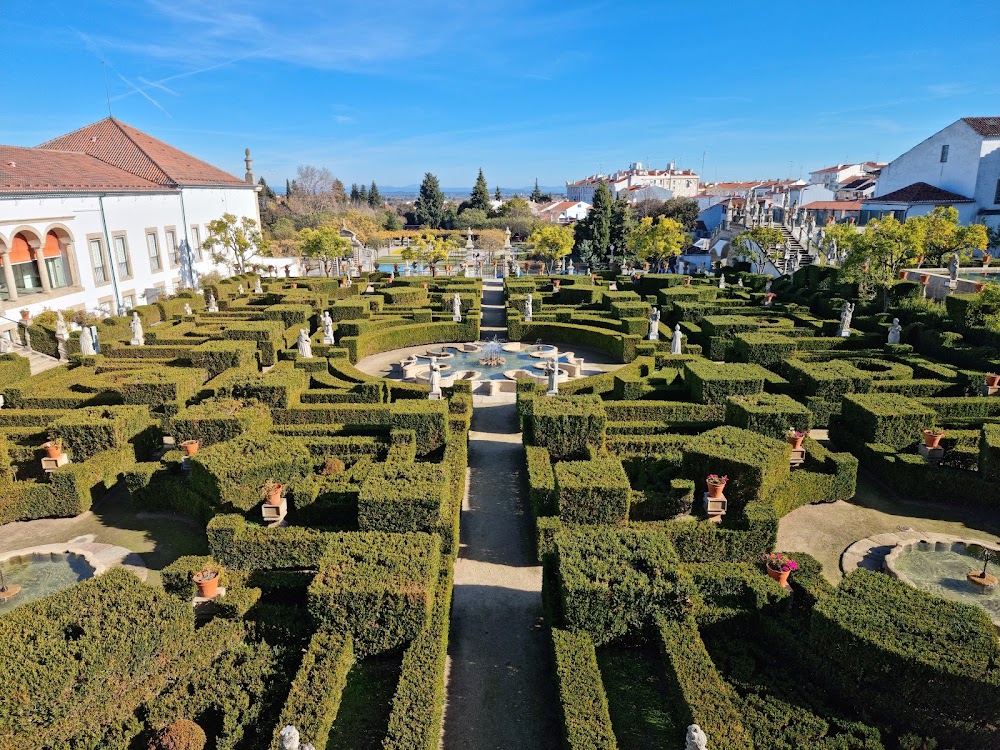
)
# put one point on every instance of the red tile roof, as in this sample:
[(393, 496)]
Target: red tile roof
[(989, 126), (833, 206), (920, 192), (35, 170), (137, 153)]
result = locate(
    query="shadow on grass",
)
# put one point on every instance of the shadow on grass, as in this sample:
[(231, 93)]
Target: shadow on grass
[(363, 718)]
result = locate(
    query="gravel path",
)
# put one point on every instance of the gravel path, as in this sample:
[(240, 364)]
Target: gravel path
[(500, 692)]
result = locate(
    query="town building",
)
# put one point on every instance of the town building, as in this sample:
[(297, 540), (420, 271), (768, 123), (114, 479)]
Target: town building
[(106, 218), (564, 212), (958, 166), (681, 183)]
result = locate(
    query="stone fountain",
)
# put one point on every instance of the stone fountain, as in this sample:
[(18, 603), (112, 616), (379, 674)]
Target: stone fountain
[(7, 590)]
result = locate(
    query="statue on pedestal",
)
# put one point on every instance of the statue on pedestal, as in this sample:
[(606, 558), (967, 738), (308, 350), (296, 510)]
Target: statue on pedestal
[(553, 372), (677, 340), (212, 305), (138, 337), (722, 282), (62, 333), (953, 266), (435, 379), (527, 308), (304, 344), (239, 290), (289, 738), (695, 739), (894, 331), (187, 309), (845, 320), (87, 342), (654, 325), (256, 287), (6, 343), (327, 328), (456, 308)]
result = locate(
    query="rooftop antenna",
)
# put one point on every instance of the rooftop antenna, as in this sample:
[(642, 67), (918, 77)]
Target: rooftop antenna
[(107, 90), (703, 162)]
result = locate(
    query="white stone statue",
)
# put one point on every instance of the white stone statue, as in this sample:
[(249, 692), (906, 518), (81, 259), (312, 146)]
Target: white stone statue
[(527, 308), (953, 266), (845, 320), (328, 328), (677, 340), (239, 290), (6, 343), (553, 372), (304, 344), (138, 337), (256, 287), (456, 308), (767, 286), (87, 342), (739, 282), (187, 309), (654, 325), (695, 739), (506, 239), (722, 282), (212, 304), (62, 332), (289, 738), (435, 379), (894, 331)]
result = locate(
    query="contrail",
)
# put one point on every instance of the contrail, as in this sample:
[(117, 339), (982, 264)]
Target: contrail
[(159, 84), (155, 85), (143, 93)]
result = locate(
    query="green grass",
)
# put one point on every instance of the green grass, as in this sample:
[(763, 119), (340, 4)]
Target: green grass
[(367, 701), (637, 696)]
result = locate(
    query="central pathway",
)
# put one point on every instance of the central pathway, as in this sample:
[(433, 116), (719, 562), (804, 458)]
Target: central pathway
[(500, 692)]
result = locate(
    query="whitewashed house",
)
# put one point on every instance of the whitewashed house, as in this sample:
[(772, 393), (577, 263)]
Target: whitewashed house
[(564, 212), (681, 183), (95, 218), (958, 166)]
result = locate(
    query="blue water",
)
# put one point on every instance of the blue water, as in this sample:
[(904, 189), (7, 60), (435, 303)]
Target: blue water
[(993, 277), (470, 361), (41, 575)]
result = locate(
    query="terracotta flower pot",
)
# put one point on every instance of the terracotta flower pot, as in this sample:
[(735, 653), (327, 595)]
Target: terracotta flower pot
[(274, 496), (980, 286), (902, 275), (781, 576), (924, 278), (53, 450), (687, 281), (555, 284), (931, 440), (295, 286), (992, 380), (795, 441), (715, 490), (190, 447), (207, 582)]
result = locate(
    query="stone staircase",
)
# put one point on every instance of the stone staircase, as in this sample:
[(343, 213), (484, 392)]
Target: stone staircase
[(778, 253), (39, 362)]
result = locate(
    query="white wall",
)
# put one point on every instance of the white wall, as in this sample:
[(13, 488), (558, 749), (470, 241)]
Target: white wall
[(922, 163)]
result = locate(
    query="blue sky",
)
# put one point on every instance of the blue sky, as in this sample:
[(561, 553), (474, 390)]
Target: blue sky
[(389, 90)]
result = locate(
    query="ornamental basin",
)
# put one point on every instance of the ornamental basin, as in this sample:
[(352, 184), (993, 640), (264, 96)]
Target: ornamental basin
[(41, 574), (940, 567)]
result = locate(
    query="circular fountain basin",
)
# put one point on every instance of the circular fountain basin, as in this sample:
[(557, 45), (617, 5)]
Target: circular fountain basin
[(40, 574), (942, 567)]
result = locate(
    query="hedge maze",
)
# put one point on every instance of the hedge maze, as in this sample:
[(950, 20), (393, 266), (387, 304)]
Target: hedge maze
[(660, 617), (373, 475)]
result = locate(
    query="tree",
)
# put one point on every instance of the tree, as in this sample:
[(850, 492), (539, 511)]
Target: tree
[(655, 241), (480, 197), (754, 243), (536, 194), (324, 243), (265, 191), (288, 189), (993, 235), (233, 240), (374, 196), (944, 236), (392, 221), (685, 210), (516, 206), (312, 189), (362, 221), (621, 224), (597, 226), (551, 242), (429, 208), (886, 246), (337, 192), (362, 195), (470, 217), (355, 195), (496, 195)]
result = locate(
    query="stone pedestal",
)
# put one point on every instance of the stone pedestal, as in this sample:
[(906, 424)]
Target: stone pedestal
[(989, 390), (715, 507), (798, 457), (934, 455), (51, 464), (273, 514)]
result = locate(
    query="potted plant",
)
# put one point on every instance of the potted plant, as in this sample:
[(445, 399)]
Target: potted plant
[(716, 484), (190, 447), (986, 260), (795, 438), (207, 581), (555, 284), (932, 436), (687, 281), (779, 566), (53, 447), (25, 315), (992, 380), (924, 278), (272, 493)]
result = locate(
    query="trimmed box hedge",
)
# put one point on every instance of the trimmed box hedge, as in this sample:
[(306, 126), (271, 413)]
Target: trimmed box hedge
[(567, 425), (583, 703), (887, 418), (713, 383), (595, 491)]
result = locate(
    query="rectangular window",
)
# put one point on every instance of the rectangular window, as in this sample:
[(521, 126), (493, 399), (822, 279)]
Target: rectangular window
[(944, 153), (196, 242), (154, 251), (97, 258), (128, 301), (121, 258), (171, 239)]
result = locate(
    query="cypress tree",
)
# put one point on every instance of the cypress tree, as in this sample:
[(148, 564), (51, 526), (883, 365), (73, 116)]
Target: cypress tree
[(429, 207), (496, 194), (288, 188), (355, 195), (480, 194), (536, 194), (599, 219), (621, 224), (374, 196), (362, 194)]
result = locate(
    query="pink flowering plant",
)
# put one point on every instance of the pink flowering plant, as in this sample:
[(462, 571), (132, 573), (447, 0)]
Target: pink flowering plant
[(795, 433), (716, 479), (779, 562)]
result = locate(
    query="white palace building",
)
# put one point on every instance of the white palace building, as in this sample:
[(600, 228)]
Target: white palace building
[(100, 218)]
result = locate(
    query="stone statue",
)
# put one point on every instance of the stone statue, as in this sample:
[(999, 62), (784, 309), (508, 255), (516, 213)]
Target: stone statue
[(187, 309), (527, 308), (894, 331), (290, 738), (506, 238), (677, 340), (845, 320), (256, 287), (953, 266), (327, 328), (304, 344), (87, 342), (654, 325), (553, 372), (456, 308), (739, 282), (212, 304), (6, 343), (138, 337), (695, 739), (435, 379), (239, 290), (62, 333), (722, 282)]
